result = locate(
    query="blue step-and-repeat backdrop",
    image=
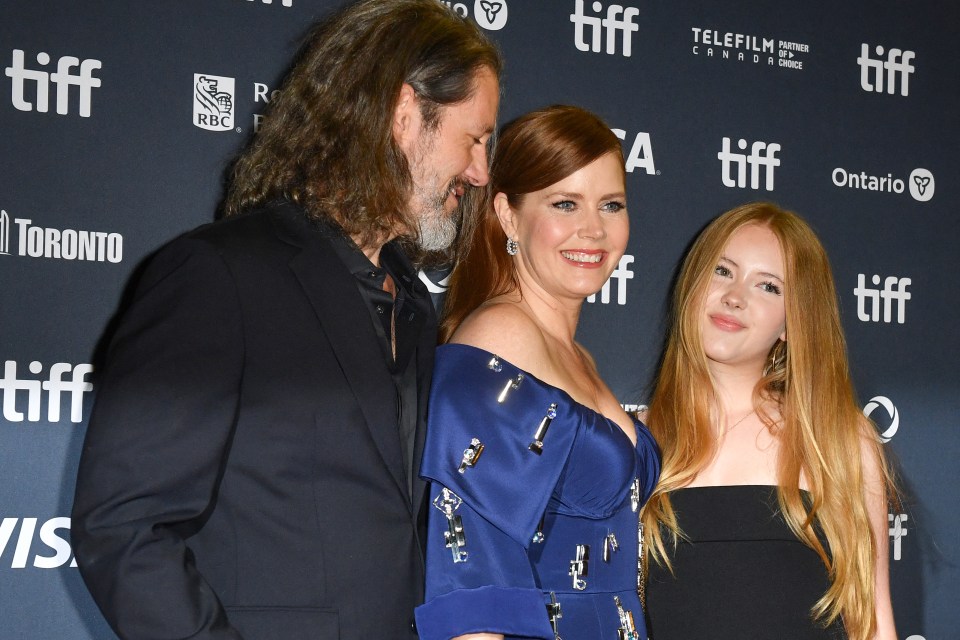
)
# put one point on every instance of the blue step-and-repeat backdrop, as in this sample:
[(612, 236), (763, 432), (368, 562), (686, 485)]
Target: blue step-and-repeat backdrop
[(119, 119)]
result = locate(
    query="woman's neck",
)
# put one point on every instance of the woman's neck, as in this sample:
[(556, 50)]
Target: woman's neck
[(734, 386)]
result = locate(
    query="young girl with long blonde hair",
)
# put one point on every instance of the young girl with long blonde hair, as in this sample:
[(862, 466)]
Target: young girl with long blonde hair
[(770, 517)]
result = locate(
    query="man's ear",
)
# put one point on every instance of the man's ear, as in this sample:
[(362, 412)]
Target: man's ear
[(407, 119), (505, 215)]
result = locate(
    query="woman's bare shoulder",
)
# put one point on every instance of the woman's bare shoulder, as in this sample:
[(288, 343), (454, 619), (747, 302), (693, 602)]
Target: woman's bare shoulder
[(507, 330)]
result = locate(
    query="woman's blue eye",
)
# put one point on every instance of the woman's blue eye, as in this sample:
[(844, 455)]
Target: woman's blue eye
[(769, 287), (564, 205), (614, 206), (721, 270)]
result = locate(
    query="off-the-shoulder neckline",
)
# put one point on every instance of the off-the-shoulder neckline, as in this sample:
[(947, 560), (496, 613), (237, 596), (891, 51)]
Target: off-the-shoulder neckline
[(636, 423)]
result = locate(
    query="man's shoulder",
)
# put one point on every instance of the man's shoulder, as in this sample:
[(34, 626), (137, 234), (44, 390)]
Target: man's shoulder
[(273, 230), (256, 224)]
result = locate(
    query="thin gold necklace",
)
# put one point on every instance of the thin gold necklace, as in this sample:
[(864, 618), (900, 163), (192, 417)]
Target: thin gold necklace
[(737, 423)]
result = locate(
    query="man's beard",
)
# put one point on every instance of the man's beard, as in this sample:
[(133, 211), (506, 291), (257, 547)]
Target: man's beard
[(436, 229)]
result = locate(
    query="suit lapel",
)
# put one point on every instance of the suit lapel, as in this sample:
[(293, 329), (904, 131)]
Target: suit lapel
[(425, 349), (332, 292)]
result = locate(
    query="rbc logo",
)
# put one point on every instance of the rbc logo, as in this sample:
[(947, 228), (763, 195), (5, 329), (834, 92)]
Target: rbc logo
[(213, 102), (62, 77), (621, 274), (880, 401), (612, 24), (896, 64), (761, 155), (894, 288)]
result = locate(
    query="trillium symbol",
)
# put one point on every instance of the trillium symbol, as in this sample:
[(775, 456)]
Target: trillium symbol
[(921, 182), (491, 9)]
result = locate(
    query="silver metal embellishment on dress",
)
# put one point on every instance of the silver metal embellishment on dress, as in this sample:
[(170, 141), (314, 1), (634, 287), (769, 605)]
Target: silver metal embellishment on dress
[(511, 384), (537, 445), (555, 613), (471, 454), (538, 534), (641, 579), (495, 364), (635, 495), (579, 567), (454, 538), (627, 630), (610, 546)]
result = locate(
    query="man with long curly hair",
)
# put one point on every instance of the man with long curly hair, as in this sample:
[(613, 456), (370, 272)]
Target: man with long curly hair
[(250, 469)]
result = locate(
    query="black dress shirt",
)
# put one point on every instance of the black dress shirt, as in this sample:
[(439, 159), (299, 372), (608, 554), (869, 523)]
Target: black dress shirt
[(397, 345)]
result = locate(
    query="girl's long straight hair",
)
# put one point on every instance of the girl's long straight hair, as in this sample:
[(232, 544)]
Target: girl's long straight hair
[(823, 434)]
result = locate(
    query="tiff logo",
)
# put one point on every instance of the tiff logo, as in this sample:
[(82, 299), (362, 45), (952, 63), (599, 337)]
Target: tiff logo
[(894, 288), (62, 77), (54, 385), (897, 531), (25, 542), (618, 19), (761, 155), (897, 63), (621, 274)]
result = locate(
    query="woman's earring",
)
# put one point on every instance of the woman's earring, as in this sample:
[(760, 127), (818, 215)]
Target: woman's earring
[(513, 247)]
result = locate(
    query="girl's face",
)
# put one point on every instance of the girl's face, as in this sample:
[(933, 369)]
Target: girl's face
[(743, 314)]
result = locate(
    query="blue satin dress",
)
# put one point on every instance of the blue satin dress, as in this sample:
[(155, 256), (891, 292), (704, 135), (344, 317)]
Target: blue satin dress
[(533, 526)]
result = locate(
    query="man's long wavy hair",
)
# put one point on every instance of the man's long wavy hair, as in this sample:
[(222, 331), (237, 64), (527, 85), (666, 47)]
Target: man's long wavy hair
[(327, 142), (823, 434), (533, 152)]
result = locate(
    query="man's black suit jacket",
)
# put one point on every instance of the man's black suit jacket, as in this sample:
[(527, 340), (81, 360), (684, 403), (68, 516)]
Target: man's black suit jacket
[(242, 473)]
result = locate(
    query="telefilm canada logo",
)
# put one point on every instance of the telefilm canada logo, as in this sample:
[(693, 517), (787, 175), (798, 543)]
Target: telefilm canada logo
[(920, 184), (609, 27), (490, 14), (35, 241), (30, 87), (50, 540), (742, 47), (213, 102)]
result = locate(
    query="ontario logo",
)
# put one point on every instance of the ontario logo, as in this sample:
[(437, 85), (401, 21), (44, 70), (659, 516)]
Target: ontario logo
[(920, 184), (213, 102), (489, 14)]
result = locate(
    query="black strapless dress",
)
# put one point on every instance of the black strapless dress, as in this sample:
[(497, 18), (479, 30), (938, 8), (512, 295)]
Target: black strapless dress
[(740, 574)]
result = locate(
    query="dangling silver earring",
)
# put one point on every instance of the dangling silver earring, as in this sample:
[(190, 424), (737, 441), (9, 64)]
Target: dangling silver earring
[(513, 247)]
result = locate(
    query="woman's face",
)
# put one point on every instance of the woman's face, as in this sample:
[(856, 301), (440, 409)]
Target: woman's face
[(573, 233), (744, 314)]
